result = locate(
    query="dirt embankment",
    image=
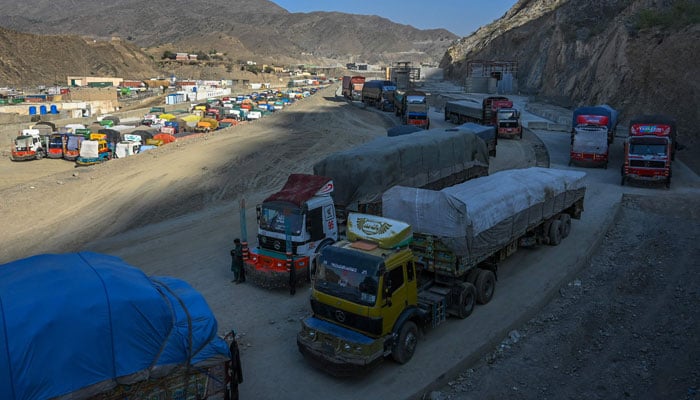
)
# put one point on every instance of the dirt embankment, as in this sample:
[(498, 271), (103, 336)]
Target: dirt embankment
[(60, 211), (625, 328)]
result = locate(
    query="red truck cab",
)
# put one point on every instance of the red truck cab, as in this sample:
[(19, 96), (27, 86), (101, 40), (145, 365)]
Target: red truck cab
[(649, 149)]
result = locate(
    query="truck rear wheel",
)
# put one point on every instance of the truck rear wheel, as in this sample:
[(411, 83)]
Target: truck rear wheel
[(555, 233), (467, 300), (405, 345), (485, 286), (565, 220)]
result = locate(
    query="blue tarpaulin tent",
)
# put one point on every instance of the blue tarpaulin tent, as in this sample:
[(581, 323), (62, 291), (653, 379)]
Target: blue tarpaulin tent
[(87, 322)]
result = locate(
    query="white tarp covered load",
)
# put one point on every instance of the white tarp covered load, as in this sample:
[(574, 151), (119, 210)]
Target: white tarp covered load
[(478, 216), (126, 148), (590, 140), (89, 149), (427, 159)]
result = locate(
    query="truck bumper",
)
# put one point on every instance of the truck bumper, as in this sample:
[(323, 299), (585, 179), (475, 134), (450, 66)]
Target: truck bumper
[(339, 351), (271, 273)]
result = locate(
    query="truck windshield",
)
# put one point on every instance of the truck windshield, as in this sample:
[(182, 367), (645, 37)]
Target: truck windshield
[(348, 274), (504, 115), (275, 217), (647, 149)]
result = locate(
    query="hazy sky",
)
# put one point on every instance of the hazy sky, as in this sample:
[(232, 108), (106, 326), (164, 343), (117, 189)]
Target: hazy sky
[(461, 17)]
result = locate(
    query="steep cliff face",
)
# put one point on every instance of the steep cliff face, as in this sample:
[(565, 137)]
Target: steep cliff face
[(640, 56)]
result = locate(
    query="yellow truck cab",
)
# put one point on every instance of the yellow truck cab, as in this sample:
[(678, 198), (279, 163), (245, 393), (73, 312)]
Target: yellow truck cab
[(364, 298)]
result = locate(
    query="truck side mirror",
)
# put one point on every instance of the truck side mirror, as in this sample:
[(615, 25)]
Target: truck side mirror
[(258, 212)]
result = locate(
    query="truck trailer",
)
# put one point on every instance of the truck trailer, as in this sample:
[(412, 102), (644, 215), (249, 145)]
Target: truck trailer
[(649, 149), (484, 112), (433, 254), (310, 211)]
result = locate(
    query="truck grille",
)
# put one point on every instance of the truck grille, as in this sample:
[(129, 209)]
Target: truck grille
[(372, 326), (647, 163), (273, 244)]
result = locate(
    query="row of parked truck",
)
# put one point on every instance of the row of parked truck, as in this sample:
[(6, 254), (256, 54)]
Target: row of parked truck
[(411, 106), (648, 149), (384, 234)]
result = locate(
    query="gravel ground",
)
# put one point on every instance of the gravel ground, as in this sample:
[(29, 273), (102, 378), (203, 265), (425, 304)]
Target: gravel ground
[(627, 327)]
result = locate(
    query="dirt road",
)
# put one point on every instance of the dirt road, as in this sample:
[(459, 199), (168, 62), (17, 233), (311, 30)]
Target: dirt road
[(174, 211)]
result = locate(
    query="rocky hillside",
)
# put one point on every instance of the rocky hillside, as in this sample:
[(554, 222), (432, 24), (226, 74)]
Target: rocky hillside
[(31, 59), (240, 27), (640, 56)]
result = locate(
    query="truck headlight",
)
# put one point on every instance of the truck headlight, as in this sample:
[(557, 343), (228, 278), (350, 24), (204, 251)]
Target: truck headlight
[(347, 347)]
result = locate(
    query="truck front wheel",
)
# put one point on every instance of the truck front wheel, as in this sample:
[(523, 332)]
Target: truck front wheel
[(405, 345)]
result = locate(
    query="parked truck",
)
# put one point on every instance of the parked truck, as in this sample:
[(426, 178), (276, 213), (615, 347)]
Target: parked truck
[(508, 123), (603, 115), (649, 149), (28, 145), (310, 211), (432, 255), (375, 92), (55, 145), (412, 107), (352, 87), (484, 112)]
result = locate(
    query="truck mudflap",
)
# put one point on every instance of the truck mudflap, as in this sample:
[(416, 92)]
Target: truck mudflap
[(270, 272), (337, 350)]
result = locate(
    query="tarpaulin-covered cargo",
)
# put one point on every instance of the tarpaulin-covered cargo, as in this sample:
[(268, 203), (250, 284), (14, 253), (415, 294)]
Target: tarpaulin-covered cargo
[(77, 325), (89, 149), (486, 133), (478, 217), (431, 159)]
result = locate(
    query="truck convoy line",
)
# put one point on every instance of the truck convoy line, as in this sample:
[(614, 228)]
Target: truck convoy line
[(495, 111), (373, 291), (310, 211)]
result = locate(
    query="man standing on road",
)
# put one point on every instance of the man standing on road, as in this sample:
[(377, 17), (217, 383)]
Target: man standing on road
[(237, 262)]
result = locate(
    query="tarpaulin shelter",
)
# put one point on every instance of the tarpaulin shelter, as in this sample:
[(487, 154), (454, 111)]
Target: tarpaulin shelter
[(75, 325)]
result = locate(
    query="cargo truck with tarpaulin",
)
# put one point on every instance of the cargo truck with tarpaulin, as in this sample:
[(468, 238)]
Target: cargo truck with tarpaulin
[(90, 326), (486, 133), (310, 211), (412, 107), (649, 149), (433, 254), (597, 115), (352, 87), (28, 145)]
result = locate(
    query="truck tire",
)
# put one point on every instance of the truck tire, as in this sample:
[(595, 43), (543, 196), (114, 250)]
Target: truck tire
[(405, 345), (467, 300), (565, 220), (668, 183), (485, 286), (39, 155), (555, 233), (622, 181)]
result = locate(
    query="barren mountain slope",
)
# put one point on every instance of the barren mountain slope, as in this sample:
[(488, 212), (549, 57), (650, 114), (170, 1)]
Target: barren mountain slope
[(637, 55), (32, 59), (262, 27)]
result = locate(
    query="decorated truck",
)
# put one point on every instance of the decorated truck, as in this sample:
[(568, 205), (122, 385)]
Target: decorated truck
[(592, 132), (90, 326), (28, 145), (602, 115), (310, 211), (412, 107), (649, 149), (352, 87), (432, 255)]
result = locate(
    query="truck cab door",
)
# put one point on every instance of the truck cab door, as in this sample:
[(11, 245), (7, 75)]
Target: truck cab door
[(394, 296)]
